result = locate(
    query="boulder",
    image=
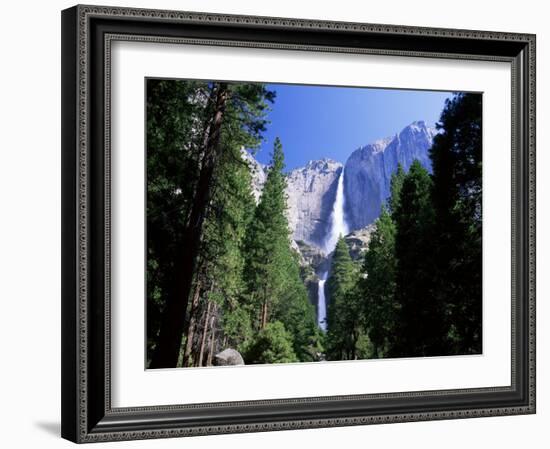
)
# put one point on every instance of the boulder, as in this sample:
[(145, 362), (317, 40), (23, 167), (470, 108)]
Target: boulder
[(228, 357)]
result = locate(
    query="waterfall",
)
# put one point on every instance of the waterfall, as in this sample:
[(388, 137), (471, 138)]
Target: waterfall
[(338, 225), (321, 302)]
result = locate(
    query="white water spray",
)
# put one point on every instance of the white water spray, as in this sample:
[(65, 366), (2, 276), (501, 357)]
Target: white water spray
[(338, 227), (321, 303)]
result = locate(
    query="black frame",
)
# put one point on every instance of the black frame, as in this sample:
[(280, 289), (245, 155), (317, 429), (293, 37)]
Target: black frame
[(87, 32)]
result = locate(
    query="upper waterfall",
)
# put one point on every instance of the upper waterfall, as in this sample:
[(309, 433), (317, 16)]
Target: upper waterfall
[(338, 224), (312, 205)]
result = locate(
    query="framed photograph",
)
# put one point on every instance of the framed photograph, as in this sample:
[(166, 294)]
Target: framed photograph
[(276, 224)]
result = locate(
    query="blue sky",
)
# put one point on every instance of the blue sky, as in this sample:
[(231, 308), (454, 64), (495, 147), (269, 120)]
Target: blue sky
[(315, 121)]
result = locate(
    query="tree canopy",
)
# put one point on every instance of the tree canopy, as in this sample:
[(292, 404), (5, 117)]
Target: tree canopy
[(418, 292), (221, 268)]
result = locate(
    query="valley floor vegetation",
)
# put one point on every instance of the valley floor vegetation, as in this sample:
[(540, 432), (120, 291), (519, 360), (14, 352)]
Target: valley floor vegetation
[(222, 272)]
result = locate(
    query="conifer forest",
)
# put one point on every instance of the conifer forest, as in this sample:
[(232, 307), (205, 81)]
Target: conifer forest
[(252, 261)]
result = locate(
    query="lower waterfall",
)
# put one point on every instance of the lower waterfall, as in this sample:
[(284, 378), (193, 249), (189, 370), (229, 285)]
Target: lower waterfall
[(321, 302)]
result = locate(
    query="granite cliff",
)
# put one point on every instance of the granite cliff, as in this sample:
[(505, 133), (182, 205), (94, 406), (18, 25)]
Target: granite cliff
[(311, 190), (310, 195), (311, 199), (369, 170)]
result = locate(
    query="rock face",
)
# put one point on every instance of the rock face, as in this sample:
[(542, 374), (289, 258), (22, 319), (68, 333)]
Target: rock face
[(312, 256), (312, 262), (358, 242), (228, 357), (369, 169), (310, 195), (311, 190), (258, 173)]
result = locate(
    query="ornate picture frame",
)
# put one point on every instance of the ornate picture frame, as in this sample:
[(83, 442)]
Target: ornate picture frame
[(88, 33)]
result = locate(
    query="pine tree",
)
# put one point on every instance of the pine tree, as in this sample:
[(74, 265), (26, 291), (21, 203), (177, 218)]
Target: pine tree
[(297, 313), (457, 168), (273, 344), (421, 321), (220, 269), (227, 118), (268, 240), (377, 286), (396, 184), (175, 115), (343, 314), (275, 289)]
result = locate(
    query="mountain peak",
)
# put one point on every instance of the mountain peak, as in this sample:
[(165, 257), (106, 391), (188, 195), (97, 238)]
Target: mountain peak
[(321, 165), (377, 146), (380, 145), (418, 130), (418, 124), (369, 170)]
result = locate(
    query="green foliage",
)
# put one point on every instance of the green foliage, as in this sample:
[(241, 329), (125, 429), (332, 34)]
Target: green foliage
[(294, 309), (175, 119), (377, 285), (272, 272), (223, 249), (236, 324), (273, 344), (268, 243), (396, 184), (420, 322), (180, 118), (342, 270), (365, 349), (457, 163), (421, 279), (343, 313), (417, 293)]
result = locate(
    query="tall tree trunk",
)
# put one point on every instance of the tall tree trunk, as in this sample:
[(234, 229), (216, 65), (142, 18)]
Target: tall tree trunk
[(264, 315), (204, 333), (212, 337), (261, 316), (173, 320), (263, 309), (192, 324)]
